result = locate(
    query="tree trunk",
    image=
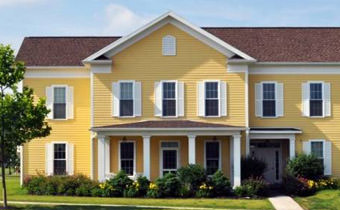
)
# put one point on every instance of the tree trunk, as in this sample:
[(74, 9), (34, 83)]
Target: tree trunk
[(4, 192), (9, 170)]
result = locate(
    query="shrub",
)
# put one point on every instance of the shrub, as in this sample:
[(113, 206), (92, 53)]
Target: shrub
[(169, 185), (205, 191), (192, 176), (138, 188), (252, 167), (252, 187), (116, 186), (299, 186), (221, 184), (327, 183), (36, 185), (307, 166), (153, 191)]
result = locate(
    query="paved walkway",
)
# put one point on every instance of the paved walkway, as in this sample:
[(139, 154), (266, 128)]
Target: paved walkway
[(284, 203)]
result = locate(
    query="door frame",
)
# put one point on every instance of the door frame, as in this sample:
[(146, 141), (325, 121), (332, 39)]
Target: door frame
[(161, 149)]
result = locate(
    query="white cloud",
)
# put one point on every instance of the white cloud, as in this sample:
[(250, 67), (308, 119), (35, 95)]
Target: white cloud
[(17, 2), (121, 20)]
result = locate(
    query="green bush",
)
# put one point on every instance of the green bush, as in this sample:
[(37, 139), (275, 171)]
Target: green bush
[(328, 183), (252, 187), (138, 188), (252, 167), (205, 191), (221, 185), (36, 185), (299, 186), (169, 185), (192, 176), (307, 166), (116, 186), (153, 191)]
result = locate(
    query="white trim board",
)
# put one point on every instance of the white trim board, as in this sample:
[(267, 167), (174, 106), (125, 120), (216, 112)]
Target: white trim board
[(286, 68), (57, 74)]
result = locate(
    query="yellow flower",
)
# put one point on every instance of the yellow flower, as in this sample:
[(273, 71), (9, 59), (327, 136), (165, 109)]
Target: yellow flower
[(210, 188), (152, 186)]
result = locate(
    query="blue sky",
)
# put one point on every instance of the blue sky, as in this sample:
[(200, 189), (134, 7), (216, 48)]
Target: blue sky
[(20, 18)]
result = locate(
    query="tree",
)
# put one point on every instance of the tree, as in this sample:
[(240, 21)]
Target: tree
[(21, 118)]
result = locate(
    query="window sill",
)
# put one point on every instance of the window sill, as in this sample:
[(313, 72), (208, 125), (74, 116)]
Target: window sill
[(122, 117), (59, 119)]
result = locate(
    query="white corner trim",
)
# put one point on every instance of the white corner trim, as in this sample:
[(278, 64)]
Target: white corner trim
[(168, 17), (21, 165), (43, 73), (294, 68)]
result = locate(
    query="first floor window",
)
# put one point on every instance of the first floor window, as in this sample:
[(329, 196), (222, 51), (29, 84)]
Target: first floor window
[(126, 99), (59, 161), (212, 157), (268, 102), (317, 150), (59, 103), (316, 99), (169, 152), (169, 98), (127, 155), (211, 99)]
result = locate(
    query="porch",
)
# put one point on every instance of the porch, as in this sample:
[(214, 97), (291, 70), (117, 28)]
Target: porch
[(152, 148)]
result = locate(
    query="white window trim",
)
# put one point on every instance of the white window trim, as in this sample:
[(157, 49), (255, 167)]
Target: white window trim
[(176, 97), (134, 157), (66, 104), (178, 149), (275, 90), (218, 97), (323, 147), (133, 97), (220, 155), (323, 97), (66, 154)]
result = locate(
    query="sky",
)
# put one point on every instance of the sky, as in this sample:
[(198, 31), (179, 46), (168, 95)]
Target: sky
[(22, 18)]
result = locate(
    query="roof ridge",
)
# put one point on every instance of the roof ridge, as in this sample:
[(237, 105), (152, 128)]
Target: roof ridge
[(40, 37)]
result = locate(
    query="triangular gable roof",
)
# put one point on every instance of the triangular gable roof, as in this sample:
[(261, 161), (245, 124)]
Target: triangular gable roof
[(177, 21)]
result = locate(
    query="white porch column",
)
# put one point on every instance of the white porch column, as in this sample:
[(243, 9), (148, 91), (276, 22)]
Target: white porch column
[(146, 156), (103, 157), (237, 160), (192, 149), (292, 147)]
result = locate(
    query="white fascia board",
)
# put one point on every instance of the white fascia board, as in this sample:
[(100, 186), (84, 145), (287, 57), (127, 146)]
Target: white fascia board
[(57, 73), (170, 129), (218, 44)]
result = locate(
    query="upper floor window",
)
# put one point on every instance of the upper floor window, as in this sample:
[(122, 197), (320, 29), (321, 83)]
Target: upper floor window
[(269, 99), (169, 98), (316, 99), (59, 99), (212, 157), (126, 99), (127, 157), (211, 99), (59, 103), (169, 45)]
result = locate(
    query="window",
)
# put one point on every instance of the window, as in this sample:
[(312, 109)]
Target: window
[(59, 103), (127, 155), (212, 157), (316, 99), (169, 45), (268, 102), (211, 99), (126, 99), (317, 150), (169, 98), (169, 157), (59, 160)]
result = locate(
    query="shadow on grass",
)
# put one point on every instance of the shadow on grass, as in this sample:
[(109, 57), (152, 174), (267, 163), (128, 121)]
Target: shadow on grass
[(35, 207)]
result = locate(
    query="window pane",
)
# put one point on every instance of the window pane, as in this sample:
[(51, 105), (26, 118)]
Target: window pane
[(317, 149), (315, 91), (59, 111), (59, 151), (269, 108), (59, 95), (212, 166), (211, 107), (211, 90), (126, 90), (315, 107), (169, 159), (169, 90), (126, 150), (169, 107), (127, 166), (59, 167), (126, 108), (212, 153), (268, 91)]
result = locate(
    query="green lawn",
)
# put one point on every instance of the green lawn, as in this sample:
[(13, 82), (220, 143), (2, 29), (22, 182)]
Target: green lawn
[(16, 193), (326, 199)]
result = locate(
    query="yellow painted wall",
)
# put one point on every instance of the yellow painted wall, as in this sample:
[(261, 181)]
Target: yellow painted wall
[(75, 131), (143, 61), (313, 128)]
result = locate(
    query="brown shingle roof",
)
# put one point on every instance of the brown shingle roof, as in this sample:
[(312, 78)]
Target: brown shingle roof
[(281, 44), (167, 124)]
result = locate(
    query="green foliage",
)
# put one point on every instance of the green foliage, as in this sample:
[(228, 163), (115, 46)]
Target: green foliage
[(299, 186), (252, 187), (221, 184), (192, 176), (169, 185), (307, 166), (252, 167), (153, 191), (328, 183), (138, 188), (205, 191), (116, 186)]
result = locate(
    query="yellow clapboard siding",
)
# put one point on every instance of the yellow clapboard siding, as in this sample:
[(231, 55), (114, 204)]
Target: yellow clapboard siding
[(74, 131), (313, 128)]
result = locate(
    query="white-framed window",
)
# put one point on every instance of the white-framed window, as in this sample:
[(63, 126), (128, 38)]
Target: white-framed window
[(212, 98), (169, 45), (316, 99), (127, 157), (169, 157), (322, 149), (59, 158), (126, 95), (59, 99), (212, 156), (269, 99)]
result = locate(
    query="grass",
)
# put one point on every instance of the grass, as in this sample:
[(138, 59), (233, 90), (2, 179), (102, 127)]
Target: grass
[(42, 207), (16, 193), (326, 199)]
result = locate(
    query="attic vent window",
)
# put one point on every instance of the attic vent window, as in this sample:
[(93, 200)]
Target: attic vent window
[(169, 45)]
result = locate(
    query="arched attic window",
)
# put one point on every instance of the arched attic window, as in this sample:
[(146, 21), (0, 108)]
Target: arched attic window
[(169, 45)]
